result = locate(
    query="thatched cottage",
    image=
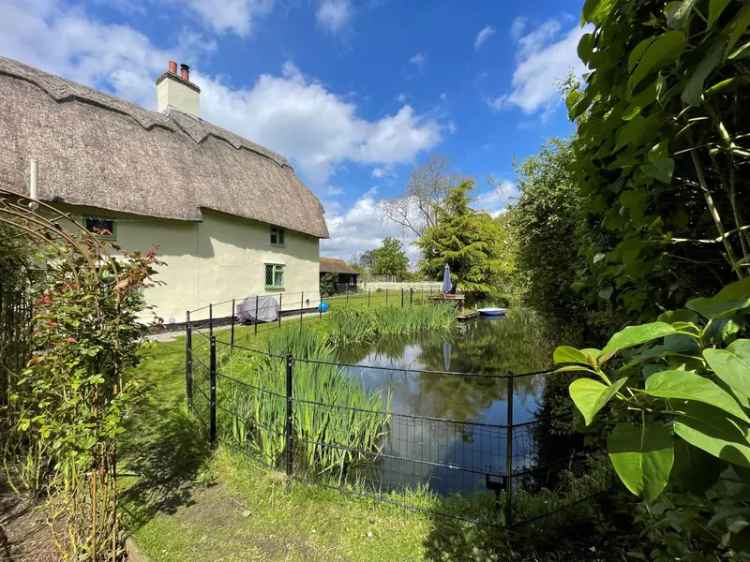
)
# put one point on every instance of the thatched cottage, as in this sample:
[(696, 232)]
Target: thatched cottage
[(230, 217)]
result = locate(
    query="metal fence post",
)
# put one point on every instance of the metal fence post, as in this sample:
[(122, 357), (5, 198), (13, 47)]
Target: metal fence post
[(189, 363), (231, 337), (320, 305), (257, 298), (288, 429), (210, 320), (402, 297), (509, 457), (386, 295), (411, 296), (281, 298), (369, 297), (212, 394), (346, 290)]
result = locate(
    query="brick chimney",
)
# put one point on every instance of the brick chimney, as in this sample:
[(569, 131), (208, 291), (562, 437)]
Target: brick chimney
[(177, 92)]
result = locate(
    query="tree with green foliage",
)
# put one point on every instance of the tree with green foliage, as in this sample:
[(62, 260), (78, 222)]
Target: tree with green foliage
[(390, 259), (662, 152), (545, 222), (468, 241)]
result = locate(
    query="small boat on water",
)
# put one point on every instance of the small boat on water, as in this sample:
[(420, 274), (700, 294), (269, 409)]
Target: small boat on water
[(492, 311)]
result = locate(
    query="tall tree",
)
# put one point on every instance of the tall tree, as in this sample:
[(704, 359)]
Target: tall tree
[(544, 221), (467, 241), (390, 259), (429, 184)]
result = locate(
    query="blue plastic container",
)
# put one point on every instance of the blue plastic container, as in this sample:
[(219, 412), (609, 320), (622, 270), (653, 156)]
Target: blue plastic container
[(323, 307)]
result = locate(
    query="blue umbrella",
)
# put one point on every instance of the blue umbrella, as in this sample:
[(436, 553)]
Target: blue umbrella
[(447, 285)]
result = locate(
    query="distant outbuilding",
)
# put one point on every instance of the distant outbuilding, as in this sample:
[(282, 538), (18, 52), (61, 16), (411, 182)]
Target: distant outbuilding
[(346, 277)]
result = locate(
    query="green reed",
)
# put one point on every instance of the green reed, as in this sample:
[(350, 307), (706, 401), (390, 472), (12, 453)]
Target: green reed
[(366, 325), (336, 425)]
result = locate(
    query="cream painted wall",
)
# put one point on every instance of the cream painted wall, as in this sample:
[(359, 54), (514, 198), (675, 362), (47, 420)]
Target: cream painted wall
[(221, 258), (170, 92)]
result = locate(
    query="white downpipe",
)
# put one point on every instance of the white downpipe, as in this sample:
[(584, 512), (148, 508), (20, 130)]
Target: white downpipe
[(33, 183)]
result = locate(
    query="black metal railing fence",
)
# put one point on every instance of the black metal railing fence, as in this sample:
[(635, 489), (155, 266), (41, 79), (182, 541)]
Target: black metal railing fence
[(480, 471)]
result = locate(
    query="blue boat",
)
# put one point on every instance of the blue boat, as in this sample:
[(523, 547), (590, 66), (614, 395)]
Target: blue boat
[(492, 311)]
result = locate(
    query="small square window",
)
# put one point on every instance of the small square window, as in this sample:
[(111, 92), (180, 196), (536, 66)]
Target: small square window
[(277, 236), (274, 276), (105, 228)]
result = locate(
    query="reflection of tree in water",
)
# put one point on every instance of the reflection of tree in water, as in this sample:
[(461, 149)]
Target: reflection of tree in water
[(516, 344)]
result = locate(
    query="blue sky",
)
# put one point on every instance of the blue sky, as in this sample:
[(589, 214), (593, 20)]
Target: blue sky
[(354, 93)]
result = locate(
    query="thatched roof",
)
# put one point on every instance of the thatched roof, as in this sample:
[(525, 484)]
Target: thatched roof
[(336, 265), (100, 151)]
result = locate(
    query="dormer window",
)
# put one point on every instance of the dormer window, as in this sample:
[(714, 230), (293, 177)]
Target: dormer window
[(277, 236)]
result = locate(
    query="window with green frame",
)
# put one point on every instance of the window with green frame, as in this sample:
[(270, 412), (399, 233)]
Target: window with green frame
[(274, 276)]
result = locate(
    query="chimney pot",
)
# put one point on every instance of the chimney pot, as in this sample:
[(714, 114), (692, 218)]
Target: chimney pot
[(185, 72), (172, 67)]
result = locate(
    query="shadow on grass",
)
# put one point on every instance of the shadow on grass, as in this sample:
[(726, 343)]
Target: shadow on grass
[(576, 532), (164, 450)]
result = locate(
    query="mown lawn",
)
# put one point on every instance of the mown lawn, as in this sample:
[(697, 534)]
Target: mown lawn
[(183, 501)]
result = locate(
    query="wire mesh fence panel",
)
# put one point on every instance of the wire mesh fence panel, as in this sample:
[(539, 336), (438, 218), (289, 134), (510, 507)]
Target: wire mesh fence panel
[(462, 445)]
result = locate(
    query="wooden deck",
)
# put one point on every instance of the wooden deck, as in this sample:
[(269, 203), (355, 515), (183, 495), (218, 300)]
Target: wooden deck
[(467, 315)]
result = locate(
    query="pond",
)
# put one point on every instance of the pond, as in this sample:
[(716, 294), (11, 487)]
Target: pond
[(449, 431)]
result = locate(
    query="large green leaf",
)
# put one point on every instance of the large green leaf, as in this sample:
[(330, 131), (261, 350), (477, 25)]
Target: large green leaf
[(635, 335), (679, 13), (732, 365), (642, 457), (691, 95), (715, 8), (708, 429), (686, 385), (663, 50), (736, 28), (596, 11), (733, 297), (591, 396), (567, 354)]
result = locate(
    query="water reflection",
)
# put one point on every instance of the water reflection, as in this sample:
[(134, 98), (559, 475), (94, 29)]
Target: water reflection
[(464, 439)]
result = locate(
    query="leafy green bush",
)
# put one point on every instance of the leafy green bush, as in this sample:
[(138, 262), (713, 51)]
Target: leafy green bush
[(679, 390)]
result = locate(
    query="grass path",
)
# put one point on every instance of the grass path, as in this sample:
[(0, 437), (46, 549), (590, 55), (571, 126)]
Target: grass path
[(185, 502)]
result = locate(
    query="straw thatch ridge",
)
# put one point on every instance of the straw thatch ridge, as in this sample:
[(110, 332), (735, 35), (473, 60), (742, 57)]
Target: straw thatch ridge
[(100, 151)]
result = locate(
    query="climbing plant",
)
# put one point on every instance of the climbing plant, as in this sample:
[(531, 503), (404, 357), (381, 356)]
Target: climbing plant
[(662, 149), (68, 405)]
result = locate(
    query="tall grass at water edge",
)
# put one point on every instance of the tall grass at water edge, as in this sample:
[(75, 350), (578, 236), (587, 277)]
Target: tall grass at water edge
[(336, 425), (364, 325)]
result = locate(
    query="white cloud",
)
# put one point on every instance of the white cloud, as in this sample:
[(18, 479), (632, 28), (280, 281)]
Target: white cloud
[(314, 127), (363, 227), (496, 200), (237, 16), (384, 172), (334, 191), (401, 98), (545, 58), (517, 28), (443, 96), (484, 34), (300, 118), (334, 15), (418, 60)]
